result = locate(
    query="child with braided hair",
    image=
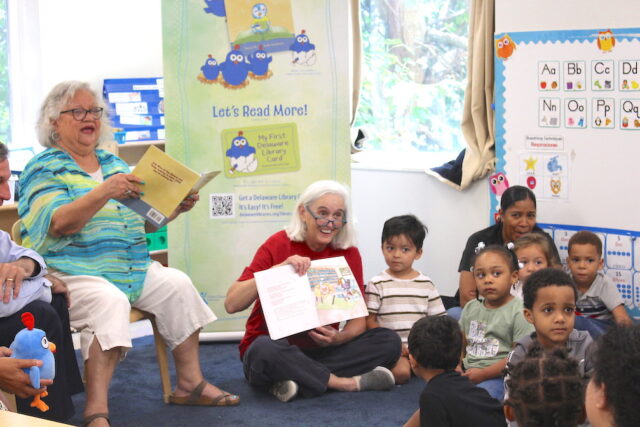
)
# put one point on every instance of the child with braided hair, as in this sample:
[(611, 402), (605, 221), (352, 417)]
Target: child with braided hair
[(545, 390)]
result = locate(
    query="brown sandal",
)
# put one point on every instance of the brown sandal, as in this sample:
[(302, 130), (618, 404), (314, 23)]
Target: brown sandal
[(197, 399), (91, 418)]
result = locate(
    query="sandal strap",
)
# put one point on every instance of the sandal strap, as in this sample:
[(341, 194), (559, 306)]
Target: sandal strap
[(93, 417), (197, 392)]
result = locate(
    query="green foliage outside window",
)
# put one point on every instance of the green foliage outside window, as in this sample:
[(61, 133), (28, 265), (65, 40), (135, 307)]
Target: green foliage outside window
[(414, 74)]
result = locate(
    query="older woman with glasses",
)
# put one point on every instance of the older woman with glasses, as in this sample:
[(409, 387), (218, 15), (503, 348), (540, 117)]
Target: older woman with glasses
[(70, 214), (309, 363)]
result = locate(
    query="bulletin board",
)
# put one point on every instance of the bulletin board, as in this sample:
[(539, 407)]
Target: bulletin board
[(568, 127)]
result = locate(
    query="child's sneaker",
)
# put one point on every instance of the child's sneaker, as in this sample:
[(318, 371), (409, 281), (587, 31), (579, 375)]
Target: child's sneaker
[(284, 390), (377, 379)]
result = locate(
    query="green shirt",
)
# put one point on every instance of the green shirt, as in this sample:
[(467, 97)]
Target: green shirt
[(111, 245), (492, 332)]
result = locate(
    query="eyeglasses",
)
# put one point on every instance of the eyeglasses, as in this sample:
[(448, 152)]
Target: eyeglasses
[(339, 219), (80, 113)]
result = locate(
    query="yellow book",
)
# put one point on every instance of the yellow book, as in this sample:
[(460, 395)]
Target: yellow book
[(166, 183)]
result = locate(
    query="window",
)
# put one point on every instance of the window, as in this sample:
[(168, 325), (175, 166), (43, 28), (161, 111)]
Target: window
[(414, 77), (5, 116)]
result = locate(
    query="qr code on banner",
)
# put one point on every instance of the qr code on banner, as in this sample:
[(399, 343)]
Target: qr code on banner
[(221, 205)]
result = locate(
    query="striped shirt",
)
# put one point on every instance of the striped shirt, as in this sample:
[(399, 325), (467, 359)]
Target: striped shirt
[(111, 245), (399, 303)]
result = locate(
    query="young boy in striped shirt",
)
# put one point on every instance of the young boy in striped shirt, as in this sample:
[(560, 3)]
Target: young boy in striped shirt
[(401, 295)]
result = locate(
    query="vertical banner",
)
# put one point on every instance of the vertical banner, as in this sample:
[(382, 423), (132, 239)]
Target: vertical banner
[(259, 91), (567, 127)]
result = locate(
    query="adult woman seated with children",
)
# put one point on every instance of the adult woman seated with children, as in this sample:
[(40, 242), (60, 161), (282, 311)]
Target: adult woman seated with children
[(97, 246)]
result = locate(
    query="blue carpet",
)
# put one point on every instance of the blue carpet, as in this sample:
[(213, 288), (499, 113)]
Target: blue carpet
[(136, 397)]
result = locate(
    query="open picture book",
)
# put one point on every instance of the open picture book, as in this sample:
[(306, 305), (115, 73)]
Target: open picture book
[(166, 183), (328, 293)]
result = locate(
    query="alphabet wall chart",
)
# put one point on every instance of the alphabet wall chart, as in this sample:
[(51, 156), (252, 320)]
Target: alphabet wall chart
[(568, 127)]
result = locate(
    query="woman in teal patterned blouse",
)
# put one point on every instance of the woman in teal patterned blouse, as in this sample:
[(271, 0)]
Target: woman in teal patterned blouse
[(70, 214)]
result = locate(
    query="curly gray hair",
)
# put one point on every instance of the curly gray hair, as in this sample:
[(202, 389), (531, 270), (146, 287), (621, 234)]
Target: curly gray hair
[(57, 99)]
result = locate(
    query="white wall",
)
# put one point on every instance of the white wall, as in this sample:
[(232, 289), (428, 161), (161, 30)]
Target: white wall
[(91, 40)]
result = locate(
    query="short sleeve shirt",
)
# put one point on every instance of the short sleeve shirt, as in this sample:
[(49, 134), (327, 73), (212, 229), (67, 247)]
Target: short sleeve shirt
[(599, 300)]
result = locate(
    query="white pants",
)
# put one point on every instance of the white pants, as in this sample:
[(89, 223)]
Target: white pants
[(100, 310)]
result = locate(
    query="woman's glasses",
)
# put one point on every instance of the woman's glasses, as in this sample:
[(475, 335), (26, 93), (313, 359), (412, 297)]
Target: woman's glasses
[(339, 219), (80, 113)]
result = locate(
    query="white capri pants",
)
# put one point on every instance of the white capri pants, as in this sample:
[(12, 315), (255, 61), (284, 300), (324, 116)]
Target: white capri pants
[(100, 310)]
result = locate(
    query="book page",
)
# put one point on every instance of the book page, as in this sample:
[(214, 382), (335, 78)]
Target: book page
[(328, 293), (204, 179)]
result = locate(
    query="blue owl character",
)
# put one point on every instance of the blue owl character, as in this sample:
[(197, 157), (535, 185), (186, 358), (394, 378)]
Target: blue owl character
[(32, 343), (303, 52), (260, 22), (215, 7), (210, 71), (259, 64), (242, 156), (235, 70)]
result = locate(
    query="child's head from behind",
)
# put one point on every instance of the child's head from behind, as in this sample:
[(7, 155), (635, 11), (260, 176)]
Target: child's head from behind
[(402, 239), (534, 253), (495, 270), (550, 297), (585, 257), (614, 390), (545, 389), (435, 342)]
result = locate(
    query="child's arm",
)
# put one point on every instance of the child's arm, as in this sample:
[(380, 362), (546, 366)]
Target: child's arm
[(477, 375), (621, 316), (372, 321), (414, 421)]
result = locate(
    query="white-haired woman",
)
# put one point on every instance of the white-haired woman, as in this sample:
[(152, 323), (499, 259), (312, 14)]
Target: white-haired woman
[(309, 363), (70, 214)]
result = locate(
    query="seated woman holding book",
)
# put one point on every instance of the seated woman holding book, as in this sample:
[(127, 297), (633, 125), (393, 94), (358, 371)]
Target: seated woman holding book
[(70, 215), (309, 363)]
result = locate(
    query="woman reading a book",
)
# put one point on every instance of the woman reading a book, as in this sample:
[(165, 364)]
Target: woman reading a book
[(70, 215), (309, 363)]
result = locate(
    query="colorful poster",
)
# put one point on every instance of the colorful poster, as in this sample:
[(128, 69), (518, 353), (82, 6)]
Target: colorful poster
[(567, 122), (272, 118)]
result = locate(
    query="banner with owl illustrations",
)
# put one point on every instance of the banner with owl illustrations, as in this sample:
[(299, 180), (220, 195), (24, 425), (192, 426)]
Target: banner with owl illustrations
[(259, 90), (568, 127)]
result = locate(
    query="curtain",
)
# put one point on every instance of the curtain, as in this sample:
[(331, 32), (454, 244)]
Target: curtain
[(477, 120), (356, 57)]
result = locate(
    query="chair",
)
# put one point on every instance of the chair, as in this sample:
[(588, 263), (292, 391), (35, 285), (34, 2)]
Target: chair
[(134, 316)]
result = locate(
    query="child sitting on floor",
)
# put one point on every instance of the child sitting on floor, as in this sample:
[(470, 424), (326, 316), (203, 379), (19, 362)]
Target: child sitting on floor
[(545, 390), (534, 252), (448, 399), (599, 302), (492, 326), (400, 295), (550, 304), (614, 390)]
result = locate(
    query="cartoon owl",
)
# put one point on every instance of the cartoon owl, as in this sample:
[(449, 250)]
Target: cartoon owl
[(606, 41), (303, 52), (235, 69), (241, 155), (498, 183), (210, 71), (259, 64), (260, 22), (505, 47)]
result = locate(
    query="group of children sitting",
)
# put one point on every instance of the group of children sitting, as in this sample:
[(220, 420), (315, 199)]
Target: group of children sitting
[(518, 336)]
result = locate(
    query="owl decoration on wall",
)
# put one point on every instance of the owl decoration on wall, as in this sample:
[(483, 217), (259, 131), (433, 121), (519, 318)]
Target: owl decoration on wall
[(606, 41), (505, 47), (498, 183)]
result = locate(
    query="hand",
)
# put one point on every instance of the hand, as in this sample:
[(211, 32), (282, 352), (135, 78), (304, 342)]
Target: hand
[(324, 336), (189, 202), (11, 276), (14, 380), (299, 263), (59, 287), (5, 351), (123, 186), (475, 375)]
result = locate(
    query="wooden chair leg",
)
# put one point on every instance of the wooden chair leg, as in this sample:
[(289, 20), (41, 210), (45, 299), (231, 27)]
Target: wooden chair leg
[(163, 362)]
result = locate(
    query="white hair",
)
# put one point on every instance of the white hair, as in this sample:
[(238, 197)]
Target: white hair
[(346, 236), (53, 104)]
